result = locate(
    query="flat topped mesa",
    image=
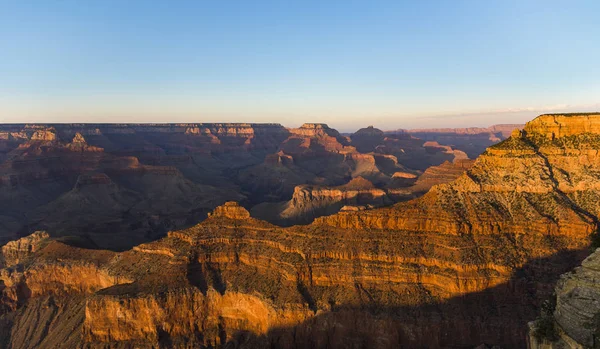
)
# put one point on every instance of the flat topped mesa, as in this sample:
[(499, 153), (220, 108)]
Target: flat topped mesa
[(231, 210), (314, 126), (314, 130), (563, 125)]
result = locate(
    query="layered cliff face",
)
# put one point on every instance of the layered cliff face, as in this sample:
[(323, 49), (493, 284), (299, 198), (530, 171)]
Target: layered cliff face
[(469, 262), (15, 252)]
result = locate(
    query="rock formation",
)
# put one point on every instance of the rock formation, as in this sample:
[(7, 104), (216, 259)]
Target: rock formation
[(15, 252), (469, 262), (573, 318)]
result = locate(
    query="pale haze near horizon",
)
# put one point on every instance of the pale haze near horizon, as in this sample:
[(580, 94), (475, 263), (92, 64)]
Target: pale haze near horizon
[(349, 64)]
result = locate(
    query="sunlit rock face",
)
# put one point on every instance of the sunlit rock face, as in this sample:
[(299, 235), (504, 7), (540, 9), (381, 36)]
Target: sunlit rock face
[(467, 263), (15, 252)]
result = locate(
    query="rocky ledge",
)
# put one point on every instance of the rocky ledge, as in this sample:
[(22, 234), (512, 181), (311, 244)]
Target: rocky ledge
[(573, 319)]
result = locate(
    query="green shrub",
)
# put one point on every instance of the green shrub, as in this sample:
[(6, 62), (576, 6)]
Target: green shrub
[(595, 241), (594, 325), (545, 328)]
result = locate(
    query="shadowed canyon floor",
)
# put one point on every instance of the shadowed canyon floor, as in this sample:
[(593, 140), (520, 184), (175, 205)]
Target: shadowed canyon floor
[(469, 262)]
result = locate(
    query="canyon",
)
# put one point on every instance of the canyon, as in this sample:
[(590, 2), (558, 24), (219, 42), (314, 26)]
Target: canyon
[(471, 261), (115, 186)]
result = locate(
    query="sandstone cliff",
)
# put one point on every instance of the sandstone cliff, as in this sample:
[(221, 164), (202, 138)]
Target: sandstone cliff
[(18, 251)]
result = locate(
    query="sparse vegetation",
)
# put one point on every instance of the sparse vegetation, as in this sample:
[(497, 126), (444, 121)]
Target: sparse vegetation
[(594, 325), (545, 327), (595, 241)]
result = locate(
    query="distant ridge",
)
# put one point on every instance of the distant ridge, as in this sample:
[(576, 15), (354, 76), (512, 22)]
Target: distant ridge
[(505, 129)]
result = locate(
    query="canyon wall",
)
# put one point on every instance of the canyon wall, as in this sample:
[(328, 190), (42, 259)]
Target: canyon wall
[(470, 262)]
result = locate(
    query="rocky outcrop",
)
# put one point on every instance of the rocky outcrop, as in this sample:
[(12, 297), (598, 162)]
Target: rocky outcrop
[(564, 125), (170, 319), (242, 282), (315, 130), (231, 210), (44, 135), (67, 271), (444, 173), (574, 319), (15, 252), (539, 175), (314, 155)]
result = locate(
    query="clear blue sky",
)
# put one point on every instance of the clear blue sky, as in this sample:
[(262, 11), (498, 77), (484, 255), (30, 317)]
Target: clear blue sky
[(393, 64)]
